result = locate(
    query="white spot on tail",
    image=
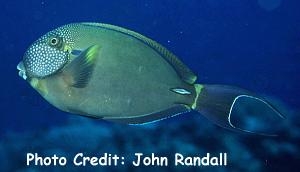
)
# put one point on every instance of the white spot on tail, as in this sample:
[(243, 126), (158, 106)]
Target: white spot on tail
[(181, 91)]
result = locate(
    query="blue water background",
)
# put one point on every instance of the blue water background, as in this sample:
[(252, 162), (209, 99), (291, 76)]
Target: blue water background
[(254, 44)]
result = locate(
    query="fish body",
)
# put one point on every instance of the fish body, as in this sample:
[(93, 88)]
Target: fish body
[(105, 71)]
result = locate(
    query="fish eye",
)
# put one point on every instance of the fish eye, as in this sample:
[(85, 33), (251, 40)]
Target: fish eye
[(56, 42)]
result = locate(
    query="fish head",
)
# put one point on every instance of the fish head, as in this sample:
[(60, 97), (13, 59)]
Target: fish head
[(47, 55)]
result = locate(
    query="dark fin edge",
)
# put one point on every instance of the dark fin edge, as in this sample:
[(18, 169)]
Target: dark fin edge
[(153, 117)]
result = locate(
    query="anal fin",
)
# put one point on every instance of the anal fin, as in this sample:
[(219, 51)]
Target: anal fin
[(153, 117)]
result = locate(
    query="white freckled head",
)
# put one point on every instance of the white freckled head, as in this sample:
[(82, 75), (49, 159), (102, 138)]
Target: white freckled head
[(42, 60), (48, 54)]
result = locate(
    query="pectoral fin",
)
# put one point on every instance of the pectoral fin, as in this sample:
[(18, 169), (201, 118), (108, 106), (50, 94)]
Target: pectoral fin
[(79, 71)]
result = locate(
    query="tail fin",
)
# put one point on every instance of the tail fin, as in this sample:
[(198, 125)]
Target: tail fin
[(218, 102)]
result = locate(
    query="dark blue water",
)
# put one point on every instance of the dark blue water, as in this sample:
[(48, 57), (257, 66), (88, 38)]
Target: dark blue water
[(254, 44)]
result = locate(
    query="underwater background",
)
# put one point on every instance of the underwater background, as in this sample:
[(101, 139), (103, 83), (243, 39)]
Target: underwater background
[(253, 44)]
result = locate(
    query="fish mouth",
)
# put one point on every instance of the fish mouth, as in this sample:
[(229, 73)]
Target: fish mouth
[(22, 71)]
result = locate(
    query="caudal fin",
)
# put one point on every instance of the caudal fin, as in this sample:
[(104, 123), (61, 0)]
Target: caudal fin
[(219, 104)]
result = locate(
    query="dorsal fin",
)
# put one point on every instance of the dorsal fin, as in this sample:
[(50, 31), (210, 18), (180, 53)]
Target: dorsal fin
[(182, 70)]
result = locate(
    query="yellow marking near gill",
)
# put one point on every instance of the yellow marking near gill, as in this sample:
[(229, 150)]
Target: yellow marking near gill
[(67, 48), (35, 83)]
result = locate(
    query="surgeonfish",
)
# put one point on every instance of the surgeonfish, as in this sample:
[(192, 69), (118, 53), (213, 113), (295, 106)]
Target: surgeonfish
[(112, 73)]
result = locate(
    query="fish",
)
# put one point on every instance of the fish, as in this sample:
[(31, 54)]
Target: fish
[(112, 73)]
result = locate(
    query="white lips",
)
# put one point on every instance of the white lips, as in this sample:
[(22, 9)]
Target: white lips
[(22, 72)]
